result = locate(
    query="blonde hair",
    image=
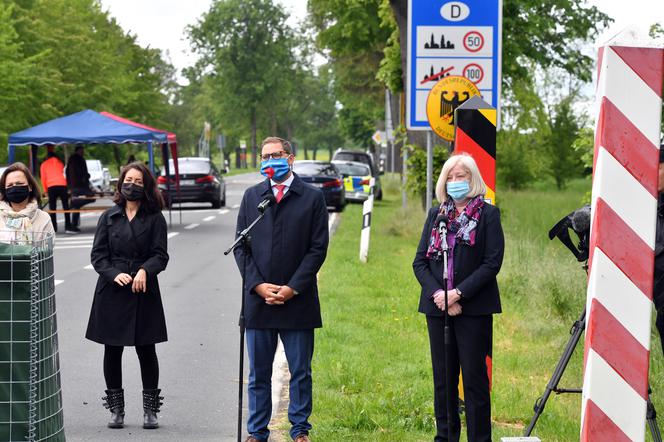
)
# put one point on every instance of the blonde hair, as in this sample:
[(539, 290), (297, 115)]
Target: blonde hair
[(476, 183)]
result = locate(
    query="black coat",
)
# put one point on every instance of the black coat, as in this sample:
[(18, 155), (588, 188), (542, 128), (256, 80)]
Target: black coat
[(118, 316), (475, 268), (77, 172), (288, 247), (658, 289)]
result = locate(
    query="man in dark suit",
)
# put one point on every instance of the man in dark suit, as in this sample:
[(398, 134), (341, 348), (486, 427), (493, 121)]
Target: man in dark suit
[(658, 289), (288, 248)]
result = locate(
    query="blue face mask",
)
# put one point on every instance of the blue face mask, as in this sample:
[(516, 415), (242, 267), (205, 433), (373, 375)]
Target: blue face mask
[(458, 190), (279, 166)]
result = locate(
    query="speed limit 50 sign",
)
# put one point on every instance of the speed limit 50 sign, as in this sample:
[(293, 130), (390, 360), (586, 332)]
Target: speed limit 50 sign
[(452, 38)]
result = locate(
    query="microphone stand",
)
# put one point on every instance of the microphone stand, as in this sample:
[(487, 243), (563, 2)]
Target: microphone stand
[(243, 240), (442, 230)]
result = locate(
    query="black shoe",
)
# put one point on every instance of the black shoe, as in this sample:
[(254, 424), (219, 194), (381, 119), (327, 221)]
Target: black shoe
[(72, 229), (114, 401), (151, 404)]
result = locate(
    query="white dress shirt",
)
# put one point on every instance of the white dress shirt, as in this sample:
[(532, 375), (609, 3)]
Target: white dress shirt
[(286, 183)]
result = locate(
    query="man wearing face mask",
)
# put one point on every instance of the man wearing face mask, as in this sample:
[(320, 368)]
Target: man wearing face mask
[(288, 248)]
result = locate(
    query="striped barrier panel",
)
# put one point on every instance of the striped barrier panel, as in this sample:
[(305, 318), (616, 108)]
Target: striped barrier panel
[(475, 134), (622, 241), (367, 208)]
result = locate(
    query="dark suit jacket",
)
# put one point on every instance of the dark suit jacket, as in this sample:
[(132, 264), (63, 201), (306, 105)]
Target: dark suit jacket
[(658, 289), (288, 247), (475, 268)]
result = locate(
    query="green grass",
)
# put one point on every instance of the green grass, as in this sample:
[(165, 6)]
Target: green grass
[(372, 374)]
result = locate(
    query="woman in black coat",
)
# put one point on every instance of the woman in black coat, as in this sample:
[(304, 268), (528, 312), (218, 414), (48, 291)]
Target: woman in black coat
[(129, 251), (476, 245)]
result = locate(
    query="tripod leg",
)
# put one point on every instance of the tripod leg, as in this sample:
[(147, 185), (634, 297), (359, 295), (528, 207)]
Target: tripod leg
[(540, 403), (651, 418)]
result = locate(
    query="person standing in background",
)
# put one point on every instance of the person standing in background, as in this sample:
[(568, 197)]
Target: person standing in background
[(78, 180), (55, 186)]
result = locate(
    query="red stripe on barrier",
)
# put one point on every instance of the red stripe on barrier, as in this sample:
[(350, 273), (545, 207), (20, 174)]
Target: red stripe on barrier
[(598, 427), (623, 140), (485, 162), (623, 247), (647, 63), (618, 347), (600, 57)]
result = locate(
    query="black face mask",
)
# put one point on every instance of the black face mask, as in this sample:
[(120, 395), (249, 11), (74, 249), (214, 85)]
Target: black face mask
[(132, 192), (17, 194)]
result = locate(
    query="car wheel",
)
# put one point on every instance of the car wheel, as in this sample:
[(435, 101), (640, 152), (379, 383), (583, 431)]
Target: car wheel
[(216, 204), (379, 195), (223, 200)]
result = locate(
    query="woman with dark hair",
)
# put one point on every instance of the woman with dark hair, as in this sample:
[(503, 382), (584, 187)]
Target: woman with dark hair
[(21, 220), (129, 251)]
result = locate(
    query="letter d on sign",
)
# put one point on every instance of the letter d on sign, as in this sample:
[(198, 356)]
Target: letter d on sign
[(455, 11)]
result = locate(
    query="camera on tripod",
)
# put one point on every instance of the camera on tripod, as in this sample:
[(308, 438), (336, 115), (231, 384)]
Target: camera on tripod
[(577, 221)]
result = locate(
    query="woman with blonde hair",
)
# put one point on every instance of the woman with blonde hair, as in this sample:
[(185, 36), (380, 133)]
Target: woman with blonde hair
[(476, 245), (21, 220)]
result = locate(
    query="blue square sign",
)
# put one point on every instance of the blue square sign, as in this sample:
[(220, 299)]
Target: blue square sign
[(452, 38)]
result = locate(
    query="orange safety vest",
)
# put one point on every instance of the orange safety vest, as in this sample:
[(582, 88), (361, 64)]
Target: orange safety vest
[(52, 173)]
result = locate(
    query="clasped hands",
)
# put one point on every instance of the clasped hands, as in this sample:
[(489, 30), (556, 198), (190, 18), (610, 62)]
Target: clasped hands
[(138, 283), (274, 294), (453, 298)]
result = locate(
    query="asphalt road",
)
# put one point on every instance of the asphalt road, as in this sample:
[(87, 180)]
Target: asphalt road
[(198, 364)]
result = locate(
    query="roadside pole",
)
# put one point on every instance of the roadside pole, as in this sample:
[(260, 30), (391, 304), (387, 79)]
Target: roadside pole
[(404, 175), (367, 208), (429, 168)]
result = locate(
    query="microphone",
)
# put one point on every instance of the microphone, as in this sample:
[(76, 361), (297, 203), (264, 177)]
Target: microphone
[(441, 222), (581, 219), (267, 202)]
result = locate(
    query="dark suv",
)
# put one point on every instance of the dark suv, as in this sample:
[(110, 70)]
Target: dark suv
[(361, 157)]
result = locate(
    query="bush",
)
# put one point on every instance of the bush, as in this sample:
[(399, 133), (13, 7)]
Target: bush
[(417, 169)]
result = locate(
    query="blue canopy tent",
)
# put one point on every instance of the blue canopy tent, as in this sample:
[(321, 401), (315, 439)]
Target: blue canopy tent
[(85, 127)]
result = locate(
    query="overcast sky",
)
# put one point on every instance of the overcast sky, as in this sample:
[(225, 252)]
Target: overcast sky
[(162, 23)]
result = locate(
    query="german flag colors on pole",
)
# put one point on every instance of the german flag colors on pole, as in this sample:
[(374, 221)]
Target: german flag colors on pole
[(475, 134)]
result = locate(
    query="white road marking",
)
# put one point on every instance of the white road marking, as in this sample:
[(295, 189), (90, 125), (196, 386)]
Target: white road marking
[(172, 234), (88, 267), (70, 243), (59, 281), (85, 246), (191, 226), (223, 211), (74, 238), (208, 218), (237, 206)]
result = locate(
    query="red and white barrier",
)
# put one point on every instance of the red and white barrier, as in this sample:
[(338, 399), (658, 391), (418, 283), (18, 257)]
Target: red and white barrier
[(622, 240)]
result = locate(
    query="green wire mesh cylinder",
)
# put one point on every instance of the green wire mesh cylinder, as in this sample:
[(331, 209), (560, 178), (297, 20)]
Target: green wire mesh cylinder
[(30, 388)]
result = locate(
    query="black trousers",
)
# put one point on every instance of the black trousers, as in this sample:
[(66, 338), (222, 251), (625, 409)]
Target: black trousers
[(77, 203), (147, 358), (470, 345), (55, 193)]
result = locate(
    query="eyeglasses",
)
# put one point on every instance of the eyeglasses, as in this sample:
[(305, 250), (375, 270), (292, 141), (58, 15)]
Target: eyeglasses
[(274, 155)]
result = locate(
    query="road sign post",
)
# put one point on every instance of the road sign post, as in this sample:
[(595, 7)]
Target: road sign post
[(458, 38)]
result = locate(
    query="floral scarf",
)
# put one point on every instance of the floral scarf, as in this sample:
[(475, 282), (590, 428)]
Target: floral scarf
[(17, 224), (463, 225)]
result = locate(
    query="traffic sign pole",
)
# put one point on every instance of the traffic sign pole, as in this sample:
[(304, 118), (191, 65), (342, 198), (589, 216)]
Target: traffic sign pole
[(429, 169)]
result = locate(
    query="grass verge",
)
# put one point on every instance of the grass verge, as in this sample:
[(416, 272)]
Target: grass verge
[(372, 374)]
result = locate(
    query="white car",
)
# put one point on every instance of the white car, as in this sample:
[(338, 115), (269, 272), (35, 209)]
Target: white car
[(100, 177)]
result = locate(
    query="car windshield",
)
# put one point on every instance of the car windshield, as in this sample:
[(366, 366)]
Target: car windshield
[(352, 156), (325, 169), (188, 167), (353, 169), (93, 165)]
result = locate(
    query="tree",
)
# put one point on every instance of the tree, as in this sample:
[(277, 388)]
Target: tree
[(246, 50)]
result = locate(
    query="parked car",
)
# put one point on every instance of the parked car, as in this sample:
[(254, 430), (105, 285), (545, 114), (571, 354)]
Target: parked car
[(357, 177), (100, 177), (200, 181), (324, 175), (361, 157)]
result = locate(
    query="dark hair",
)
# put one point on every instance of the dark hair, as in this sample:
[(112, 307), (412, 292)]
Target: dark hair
[(152, 200), (35, 193), (285, 144)]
